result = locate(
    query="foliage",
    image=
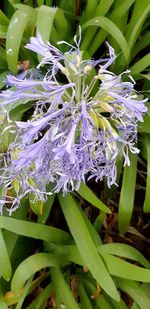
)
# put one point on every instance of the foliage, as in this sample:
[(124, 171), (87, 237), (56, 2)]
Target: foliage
[(70, 259)]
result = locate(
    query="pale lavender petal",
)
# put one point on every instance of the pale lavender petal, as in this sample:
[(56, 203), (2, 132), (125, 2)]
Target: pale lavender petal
[(137, 107)]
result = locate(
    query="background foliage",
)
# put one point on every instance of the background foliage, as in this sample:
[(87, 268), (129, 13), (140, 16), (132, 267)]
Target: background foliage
[(53, 253)]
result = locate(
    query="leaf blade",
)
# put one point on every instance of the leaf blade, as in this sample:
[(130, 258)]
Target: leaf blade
[(6, 269), (120, 268), (85, 192), (113, 30), (126, 201), (29, 267), (85, 245), (33, 230)]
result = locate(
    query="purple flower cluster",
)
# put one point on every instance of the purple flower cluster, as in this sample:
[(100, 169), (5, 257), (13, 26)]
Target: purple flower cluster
[(80, 124)]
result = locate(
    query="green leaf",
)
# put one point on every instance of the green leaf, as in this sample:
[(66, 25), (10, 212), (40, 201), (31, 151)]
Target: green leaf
[(29, 267), (5, 270), (91, 7), (118, 267), (117, 305), (113, 30), (85, 245), (69, 252), (140, 65), (146, 207), (41, 298), (3, 304), (4, 20), (126, 201), (135, 291), (100, 300), (146, 76), (99, 221), (101, 10), (141, 44), (12, 238), (3, 31), (120, 9), (30, 28), (120, 16), (145, 126), (36, 206), (62, 290), (48, 2), (61, 24), (40, 2), (46, 209), (140, 12), (2, 79), (44, 25), (12, 298), (90, 197), (125, 251), (33, 230), (24, 294), (13, 2), (15, 32), (135, 306), (3, 62), (84, 299), (17, 112), (103, 7), (94, 235)]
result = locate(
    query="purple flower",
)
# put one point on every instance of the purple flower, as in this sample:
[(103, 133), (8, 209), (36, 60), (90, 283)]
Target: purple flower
[(73, 135)]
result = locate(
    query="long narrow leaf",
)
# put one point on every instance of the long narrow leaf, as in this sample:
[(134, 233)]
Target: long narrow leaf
[(89, 34), (141, 44), (94, 235), (62, 289), (39, 301), (45, 18), (40, 2), (100, 300), (29, 267), (147, 192), (117, 305), (118, 267), (113, 30), (46, 209), (90, 9), (5, 269), (126, 202), (2, 79), (86, 246), (89, 196), (85, 301), (34, 230), (24, 294), (140, 65), (61, 24), (135, 291), (4, 20), (2, 300), (140, 13), (15, 32), (125, 251), (3, 31)]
